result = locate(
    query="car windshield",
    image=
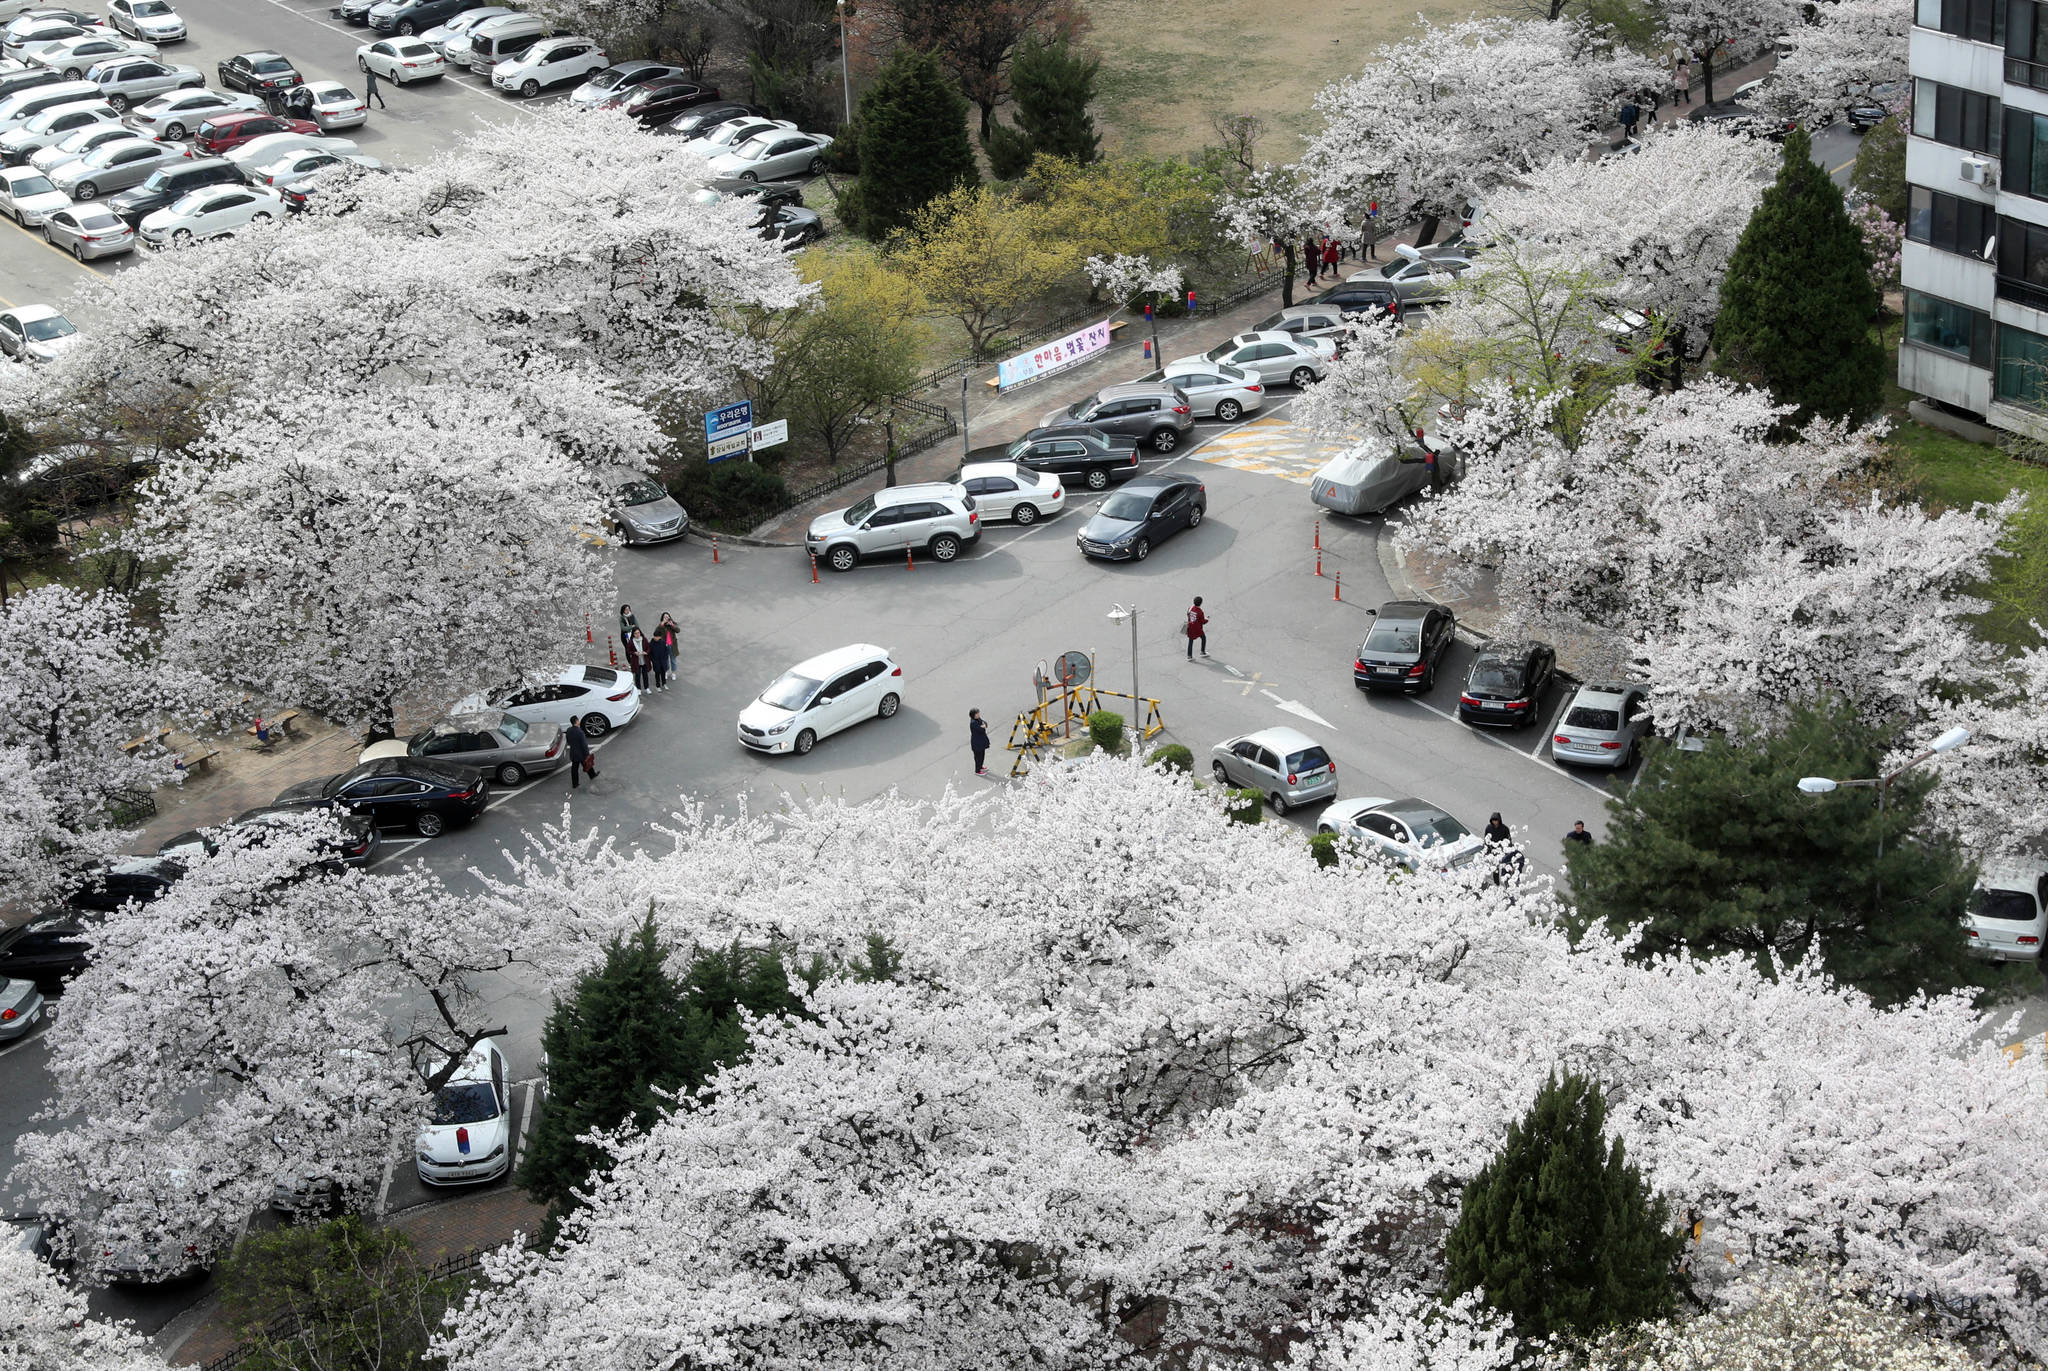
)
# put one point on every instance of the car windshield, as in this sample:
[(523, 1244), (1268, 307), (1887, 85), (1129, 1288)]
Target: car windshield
[(1394, 638), (1492, 675), (1432, 827), (513, 727), (467, 1102), (607, 80), (754, 149), (1308, 759), (143, 9), (790, 691), (600, 676), (1603, 720), (2006, 906), (29, 185), (1230, 373), (1127, 506), (1018, 449), (641, 493), (859, 513), (43, 330)]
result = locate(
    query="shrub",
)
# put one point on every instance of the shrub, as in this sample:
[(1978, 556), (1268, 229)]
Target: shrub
[(730, 496), (1009, 152), (1245, 806), (1172, 757), (36, 527), (1173, 306), (1323, 847), (1106, 727), (844, 154)]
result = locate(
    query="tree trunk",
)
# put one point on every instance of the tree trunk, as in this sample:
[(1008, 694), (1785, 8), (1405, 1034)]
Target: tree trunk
[(988, 117), (1707, 75), (1287, 276), (1427, 233)]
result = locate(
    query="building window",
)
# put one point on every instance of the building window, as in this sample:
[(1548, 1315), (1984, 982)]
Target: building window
[(2023, 167), (2026, 45), (1960, 118), (1949, 222), (2023, 263), (1948, 327), (2022, 374), (1982, 21)]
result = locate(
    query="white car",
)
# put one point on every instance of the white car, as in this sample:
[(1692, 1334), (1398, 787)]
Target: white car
[(32, 33), (451, 39), (28, 197), (1215, 390), (2009, 911), (74, 57), (177, 114), (295, 167), (1271, 357), (778, 156), (550, 62), (35, 333), (212, 212), (77, 143), (604, 697), (402, 61), (136, 80), (261, 152), (1410, 832), (1004, 490), (468, 1133), (815, 699), (722, 136), (329, 104), (150, 19), (17, 144)]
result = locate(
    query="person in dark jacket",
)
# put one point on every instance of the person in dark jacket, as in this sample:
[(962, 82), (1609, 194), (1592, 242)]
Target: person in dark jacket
[(370, 91), (977, 738), (580, 763), (1311, 258), (1579, 833), (661, 654), (629, 623), (639, 658), (1496, 831)]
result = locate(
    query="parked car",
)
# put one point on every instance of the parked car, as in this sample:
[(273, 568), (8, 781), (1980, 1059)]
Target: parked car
[(2009, 911), (491, 741), (1305, 321), (790, 228), (352, 842), (136, 80), (267, 148), (1370, 478), (16, 78), (774, 156), (1404, 647), (329, 104), (116, 166), (170, 184), (816, 698), (1144, 513), (1214, 390), (399, 792), (1504, 687), (1411, 832), (704, 118), (23, 105), (28, 197), (1731, 114), (224, 131), (77, 143), (1286, 766), (450, 37), (618, 81), (467, 1137), (604, 697), (33, 34), (658, 101), (500, 40), (153, 20), (1077, 455), (408, 17), (158, 1248), (716, 138), (1155, 413), (402, 61), (89, 232), (21, 1009), (353, 11), (174, 116), (763, 193), (35, 333), (18, 145), (1418, 270), (257, 73), (642, 511), (936, 518), (72, 58), (121, 880), (48, 949), (548, 63), (295, 168), (1603, 725), (1272, 357), (1004, 490), (1871, 106)]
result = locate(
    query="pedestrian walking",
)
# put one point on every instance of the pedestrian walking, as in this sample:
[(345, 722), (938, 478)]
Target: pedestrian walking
[(1330, 256), (661, 656), (1198, 628), (628, 624), (1496, 831), (977, 738), (640, 659), (1311, 258), (370, 90), (580, 763), (1681, 82), (1630, 112), (1579, 833)]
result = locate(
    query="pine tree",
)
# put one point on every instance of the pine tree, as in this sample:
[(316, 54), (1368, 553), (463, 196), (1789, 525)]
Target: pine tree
[(1797, 303), (913, 141), (1559, 1231), (1718, 852), (1053, 88)]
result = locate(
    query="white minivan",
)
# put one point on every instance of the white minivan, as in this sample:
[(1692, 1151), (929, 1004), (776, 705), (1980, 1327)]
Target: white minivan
[(817, 698), (2009, 911)]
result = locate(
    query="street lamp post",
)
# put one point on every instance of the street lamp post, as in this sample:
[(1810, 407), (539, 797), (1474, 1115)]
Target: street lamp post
[(845, 83), (1822, 785), (1117, 614)]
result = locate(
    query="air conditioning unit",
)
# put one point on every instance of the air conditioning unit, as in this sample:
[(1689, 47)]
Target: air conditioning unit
[(1980, 171)]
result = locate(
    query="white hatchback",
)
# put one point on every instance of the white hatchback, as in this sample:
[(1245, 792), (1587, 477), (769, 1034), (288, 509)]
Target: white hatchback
[(468, 1133), (1004, 490), (817, 698), (2009, 911)]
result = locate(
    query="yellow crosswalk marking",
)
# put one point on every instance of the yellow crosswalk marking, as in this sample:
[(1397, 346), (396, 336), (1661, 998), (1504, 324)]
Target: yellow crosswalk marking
[(1270, 447)]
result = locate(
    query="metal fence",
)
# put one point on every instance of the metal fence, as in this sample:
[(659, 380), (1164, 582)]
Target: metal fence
[(280, 1328), (925, 425)]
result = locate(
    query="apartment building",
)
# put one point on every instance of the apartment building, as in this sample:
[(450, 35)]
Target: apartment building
[(1975, 262)]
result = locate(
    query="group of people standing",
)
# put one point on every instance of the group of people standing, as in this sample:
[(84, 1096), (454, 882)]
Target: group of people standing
[(653, 658)]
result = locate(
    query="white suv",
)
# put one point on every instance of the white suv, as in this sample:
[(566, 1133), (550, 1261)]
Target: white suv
[(817, 698), (937, 517), (550, 62)]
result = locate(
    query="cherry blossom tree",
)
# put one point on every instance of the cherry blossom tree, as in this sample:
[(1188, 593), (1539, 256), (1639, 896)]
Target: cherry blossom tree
[(44, 1324), (1443, 118), (1708, 30), (1271, 206), (239, 1032), (1847, 48), (1995, 791)]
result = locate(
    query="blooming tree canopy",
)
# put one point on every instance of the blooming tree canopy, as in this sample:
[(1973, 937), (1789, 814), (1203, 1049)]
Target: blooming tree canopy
[(1849, 48), (44, 1324), (1708, 30)]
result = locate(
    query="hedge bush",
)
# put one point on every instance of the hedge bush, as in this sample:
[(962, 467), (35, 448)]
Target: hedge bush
[(1246, 806), (1106, 727), (1172, 757), (731, 497), (1323, 847)]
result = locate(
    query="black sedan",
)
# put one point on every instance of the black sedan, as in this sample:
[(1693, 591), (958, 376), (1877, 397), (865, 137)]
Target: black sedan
[(114, 883), (1146, 512), (417, 16), (790, 228), (1404, 647), (49, 948), (398, 792), (258, 73), (353, 846), (704, 118), (657, 102), (1077, 454), (1506, 684)]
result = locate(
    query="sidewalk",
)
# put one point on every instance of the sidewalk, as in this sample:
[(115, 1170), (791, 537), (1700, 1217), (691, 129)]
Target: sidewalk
[(1725, 82), (244, 776)]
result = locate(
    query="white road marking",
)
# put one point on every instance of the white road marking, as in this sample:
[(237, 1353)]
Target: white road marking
[(1487, 737), (353, 36), (1300, 710)]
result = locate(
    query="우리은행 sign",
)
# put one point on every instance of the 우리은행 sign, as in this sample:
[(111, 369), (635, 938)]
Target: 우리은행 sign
[(1057, 355)]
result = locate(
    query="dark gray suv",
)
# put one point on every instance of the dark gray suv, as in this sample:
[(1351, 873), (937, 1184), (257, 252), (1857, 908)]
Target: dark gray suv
[(1152, 412)]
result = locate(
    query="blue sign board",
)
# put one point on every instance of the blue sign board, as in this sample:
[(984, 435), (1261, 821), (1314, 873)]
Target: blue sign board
[(728, 430)]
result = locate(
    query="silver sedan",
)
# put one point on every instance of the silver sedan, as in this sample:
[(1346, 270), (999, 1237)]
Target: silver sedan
[(499, 744), (116, 166), (776, 156), (87, 231), (77, 143), (28, 197)]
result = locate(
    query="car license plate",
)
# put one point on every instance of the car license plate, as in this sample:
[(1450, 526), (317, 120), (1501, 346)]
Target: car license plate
[(1386, 671), (1493, 704)]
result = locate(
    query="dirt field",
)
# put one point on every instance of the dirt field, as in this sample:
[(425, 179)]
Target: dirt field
[(1168, 65)]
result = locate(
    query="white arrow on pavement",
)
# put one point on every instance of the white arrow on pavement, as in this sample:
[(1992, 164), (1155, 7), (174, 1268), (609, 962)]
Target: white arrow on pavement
[(1296, 707)]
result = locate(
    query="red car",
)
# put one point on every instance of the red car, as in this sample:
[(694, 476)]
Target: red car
[(225, 131)]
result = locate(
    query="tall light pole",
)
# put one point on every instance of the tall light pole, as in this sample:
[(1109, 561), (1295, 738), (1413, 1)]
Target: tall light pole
[(1117, 614), (845, 82), (1822, 785)]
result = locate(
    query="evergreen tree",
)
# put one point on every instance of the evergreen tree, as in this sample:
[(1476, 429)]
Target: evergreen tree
[(913, 141), (1559, 1231), (1719, 852), (1053, 88), (1797, 303)]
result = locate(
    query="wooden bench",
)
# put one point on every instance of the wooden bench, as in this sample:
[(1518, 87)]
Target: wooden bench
[(1115, 326), (135, 745), (198, 761)]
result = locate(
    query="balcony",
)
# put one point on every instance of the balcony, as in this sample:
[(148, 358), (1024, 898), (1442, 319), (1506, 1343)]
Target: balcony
[(2023, 292)]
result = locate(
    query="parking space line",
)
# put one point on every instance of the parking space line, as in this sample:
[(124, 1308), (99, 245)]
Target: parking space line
[(351, 35), (1509, 747)]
